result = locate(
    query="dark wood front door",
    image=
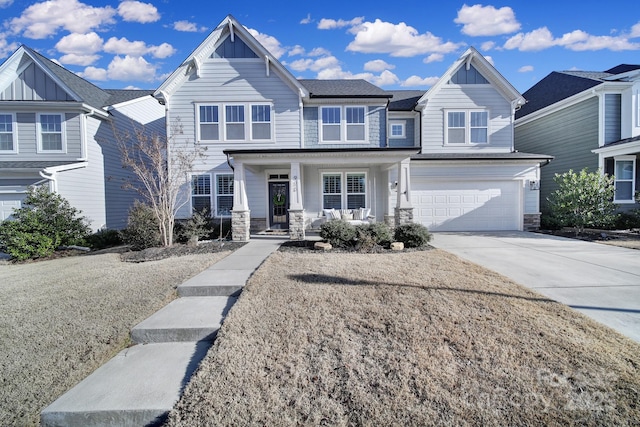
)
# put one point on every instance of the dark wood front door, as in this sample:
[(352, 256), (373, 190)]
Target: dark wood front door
[(279, 205)]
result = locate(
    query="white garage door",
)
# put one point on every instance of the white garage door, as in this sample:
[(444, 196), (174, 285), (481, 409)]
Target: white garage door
[(8, 202), (466, 206)]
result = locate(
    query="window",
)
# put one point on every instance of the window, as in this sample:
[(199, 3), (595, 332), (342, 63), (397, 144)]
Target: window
[(260, 122), (209, 123), (224, 194), (344, 190), (201, 193), (343, 124), (51, 135), (234, 119), (467, 127), (397, 130), (624, 178), (7, 139)]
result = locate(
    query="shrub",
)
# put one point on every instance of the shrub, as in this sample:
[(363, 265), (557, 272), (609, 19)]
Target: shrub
[(368, 236), (104, 238), (550, 222), (583, 199), (45, 222), (628, 220), (199, 225), (142, 228), (338, 233), (412, 235)]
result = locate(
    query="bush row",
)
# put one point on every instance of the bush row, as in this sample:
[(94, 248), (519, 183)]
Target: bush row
[(366, 237)]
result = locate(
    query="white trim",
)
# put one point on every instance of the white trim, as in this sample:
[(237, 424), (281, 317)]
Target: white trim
[(631, 159), (222, 122), (191, 195), (402, 124), (343, 125), (467, 128), (14, 133), (63, 131), (216, 195), (343, 185)]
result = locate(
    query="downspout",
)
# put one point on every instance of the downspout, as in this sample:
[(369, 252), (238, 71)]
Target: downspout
[(386, 131), (83, 123), (229, 163), (51, 177)]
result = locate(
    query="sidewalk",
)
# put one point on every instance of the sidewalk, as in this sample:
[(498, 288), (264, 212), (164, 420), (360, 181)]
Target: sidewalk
[(140, 385)]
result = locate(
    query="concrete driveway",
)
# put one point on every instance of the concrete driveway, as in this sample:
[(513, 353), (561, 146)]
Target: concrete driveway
[(601, 281)]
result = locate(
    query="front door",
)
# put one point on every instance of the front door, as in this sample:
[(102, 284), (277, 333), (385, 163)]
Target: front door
[(279, 205)]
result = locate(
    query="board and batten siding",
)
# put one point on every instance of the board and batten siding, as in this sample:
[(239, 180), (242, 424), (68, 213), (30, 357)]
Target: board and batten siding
[(34, 85), (27, 138), (377, 132), (455, 97), (612, 116), (569, 135)]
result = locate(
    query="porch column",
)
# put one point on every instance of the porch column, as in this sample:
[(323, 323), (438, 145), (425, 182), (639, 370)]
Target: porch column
[(240, 216), (404, 209), (296, 210)]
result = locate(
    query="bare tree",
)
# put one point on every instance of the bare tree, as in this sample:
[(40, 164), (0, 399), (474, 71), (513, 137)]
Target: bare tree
[(161, 169)]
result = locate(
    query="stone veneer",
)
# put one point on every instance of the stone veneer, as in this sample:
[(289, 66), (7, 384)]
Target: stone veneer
[(531, 222), (296, 224), (403, 216), (240, 226)]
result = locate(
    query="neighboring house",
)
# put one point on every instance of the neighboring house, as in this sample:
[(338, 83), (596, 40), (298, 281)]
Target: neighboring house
[(282, 152), (586, 120), (56, 129)]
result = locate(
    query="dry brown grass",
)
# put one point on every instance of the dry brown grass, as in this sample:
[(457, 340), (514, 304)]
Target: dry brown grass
[(61, 319), (419, 338)]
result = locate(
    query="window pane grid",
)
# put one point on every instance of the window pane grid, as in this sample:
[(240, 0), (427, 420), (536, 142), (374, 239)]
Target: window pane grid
[(235, 113), (201, 193), (224, 194), (331, 115), (260, 113), (355, 115), (208, 114), (6, 132)]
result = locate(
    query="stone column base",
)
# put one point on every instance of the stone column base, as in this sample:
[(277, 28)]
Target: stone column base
[(403, 216), (296, 224), (240, 226), (390, 220), (531, 222)]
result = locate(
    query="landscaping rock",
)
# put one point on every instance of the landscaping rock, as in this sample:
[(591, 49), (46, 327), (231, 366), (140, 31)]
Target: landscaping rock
[(322, 246), (397, 246)]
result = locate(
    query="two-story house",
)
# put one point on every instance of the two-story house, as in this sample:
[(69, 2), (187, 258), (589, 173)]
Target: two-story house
[(57, 129), (586, 120), (284, 153)]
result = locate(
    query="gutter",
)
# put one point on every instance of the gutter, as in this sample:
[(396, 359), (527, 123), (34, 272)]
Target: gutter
[(51, 172)]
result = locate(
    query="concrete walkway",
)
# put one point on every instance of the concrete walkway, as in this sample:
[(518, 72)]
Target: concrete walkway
[(600, 281), (142, 383)]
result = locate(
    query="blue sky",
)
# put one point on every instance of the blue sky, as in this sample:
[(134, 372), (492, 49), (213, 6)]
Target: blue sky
[(396, 45)]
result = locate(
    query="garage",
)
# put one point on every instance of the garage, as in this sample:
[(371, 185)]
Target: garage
[(8, 202), (467, 205)]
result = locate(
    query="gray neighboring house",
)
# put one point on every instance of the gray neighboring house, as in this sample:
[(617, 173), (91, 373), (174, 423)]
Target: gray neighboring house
[(585, 119), (57, 129)]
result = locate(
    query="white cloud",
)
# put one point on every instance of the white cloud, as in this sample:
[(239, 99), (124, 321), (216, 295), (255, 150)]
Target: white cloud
[(6, 48), (319, 51), (93, 73), (332, 24), (314, 64), (44, 19), (525, 69), (122, 46), (75, 59), (187, 27), (419, 81), (434, 57), (396, 40), (306, 20), (577, 40), (131, 87), (635, 31), (135, 11), (80, 44), (489, 60), (479, 20), (296, 50), (269, 42), (5, 3), (131, 68), (487, 45), (386, 78), (378, 65)]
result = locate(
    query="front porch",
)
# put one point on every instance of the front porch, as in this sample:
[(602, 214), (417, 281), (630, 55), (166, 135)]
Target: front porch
[(620, 160), (292, 189)]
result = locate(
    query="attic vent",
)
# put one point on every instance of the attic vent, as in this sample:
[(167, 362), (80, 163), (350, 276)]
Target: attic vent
[(233, 49), (468, 77)]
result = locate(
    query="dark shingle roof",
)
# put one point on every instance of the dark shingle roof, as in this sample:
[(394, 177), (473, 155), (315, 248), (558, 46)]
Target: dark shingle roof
[(124, 95), (623, 68), (343, 89), (404, 100)]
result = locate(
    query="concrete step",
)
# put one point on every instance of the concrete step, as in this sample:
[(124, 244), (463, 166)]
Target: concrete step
[(184, 319), (138, 387), (215, 282)]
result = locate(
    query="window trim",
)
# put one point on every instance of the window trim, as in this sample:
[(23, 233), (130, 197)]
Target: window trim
[(216, 195), (403, 126), (467, 127), (14, 134), (247, 124), (63, 132), (631, 159), (343, 186), (191, 195), (343, 125)]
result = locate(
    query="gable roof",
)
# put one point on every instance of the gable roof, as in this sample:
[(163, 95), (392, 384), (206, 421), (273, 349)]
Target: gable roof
[(193, 63), (343, 89), (559, 85), (472, 57)]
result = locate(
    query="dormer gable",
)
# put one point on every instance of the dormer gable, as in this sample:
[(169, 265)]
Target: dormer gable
[(468, 75), (233, 49)]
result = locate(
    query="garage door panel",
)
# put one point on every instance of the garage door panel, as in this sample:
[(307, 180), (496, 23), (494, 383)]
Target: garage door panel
[(467, 206), (9, 202)]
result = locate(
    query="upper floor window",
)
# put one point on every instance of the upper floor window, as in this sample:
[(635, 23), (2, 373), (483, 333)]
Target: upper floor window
[(343, 124), (51, 133), (7, 135), (625, 183), (466, 127), (234, 122), (397, 130)]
